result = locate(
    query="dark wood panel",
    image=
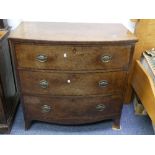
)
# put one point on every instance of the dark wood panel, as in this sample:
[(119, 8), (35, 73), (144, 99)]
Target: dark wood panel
[(3, 24), (7, 76), (72, 110), (72, 57), (72, 83), (2, 108), (8, 92)]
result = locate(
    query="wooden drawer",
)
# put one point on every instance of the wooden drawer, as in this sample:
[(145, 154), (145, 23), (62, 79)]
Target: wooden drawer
[(60, 83), (70, 57), (72, 110)]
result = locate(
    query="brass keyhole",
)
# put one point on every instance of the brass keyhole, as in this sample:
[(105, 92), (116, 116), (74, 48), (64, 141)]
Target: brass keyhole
[(74, 50)]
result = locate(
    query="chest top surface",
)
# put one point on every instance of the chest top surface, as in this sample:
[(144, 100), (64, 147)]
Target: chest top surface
[(72, 32)]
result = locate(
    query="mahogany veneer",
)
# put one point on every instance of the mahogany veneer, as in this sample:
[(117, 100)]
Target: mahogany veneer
[(72, 73)]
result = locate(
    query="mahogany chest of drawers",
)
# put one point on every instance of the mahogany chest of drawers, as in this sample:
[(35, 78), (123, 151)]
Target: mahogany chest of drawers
[(72, 73)]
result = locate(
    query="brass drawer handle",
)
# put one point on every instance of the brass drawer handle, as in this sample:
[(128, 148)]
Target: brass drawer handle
[(100, 107), (41, 58), (43, 83), (45, 108), (106, 58), (103, 83)]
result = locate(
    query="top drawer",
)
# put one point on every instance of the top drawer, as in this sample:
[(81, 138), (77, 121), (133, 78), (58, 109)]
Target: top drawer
[(72, 57)]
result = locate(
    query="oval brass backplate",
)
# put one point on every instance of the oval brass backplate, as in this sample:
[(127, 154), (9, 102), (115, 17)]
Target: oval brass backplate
[(41, 58), (45, 108), (43, 84), (103, 83), (106, 58), (100, 107)]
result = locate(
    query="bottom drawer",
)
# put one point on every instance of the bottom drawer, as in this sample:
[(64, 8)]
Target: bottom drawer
[(72, 110)]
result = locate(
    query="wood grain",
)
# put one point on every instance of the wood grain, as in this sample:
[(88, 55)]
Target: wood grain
[(73, 32), (73, 80), (80, 83), (2, 108), (3, 34), (72, 110), (77, 57), (145, 32), (8, 93), (144, 87)]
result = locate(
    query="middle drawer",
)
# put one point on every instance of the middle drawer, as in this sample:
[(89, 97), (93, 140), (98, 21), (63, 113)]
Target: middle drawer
[(62, 83)]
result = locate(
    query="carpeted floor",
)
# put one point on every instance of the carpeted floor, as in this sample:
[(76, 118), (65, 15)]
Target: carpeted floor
[(130, 123)]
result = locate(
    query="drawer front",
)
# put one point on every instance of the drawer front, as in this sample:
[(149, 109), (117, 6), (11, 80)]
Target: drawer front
[(60, 83), (72, 110), (65, 57)]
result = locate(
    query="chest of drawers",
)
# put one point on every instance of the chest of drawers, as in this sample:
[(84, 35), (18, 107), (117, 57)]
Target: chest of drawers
[(72, 73)]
